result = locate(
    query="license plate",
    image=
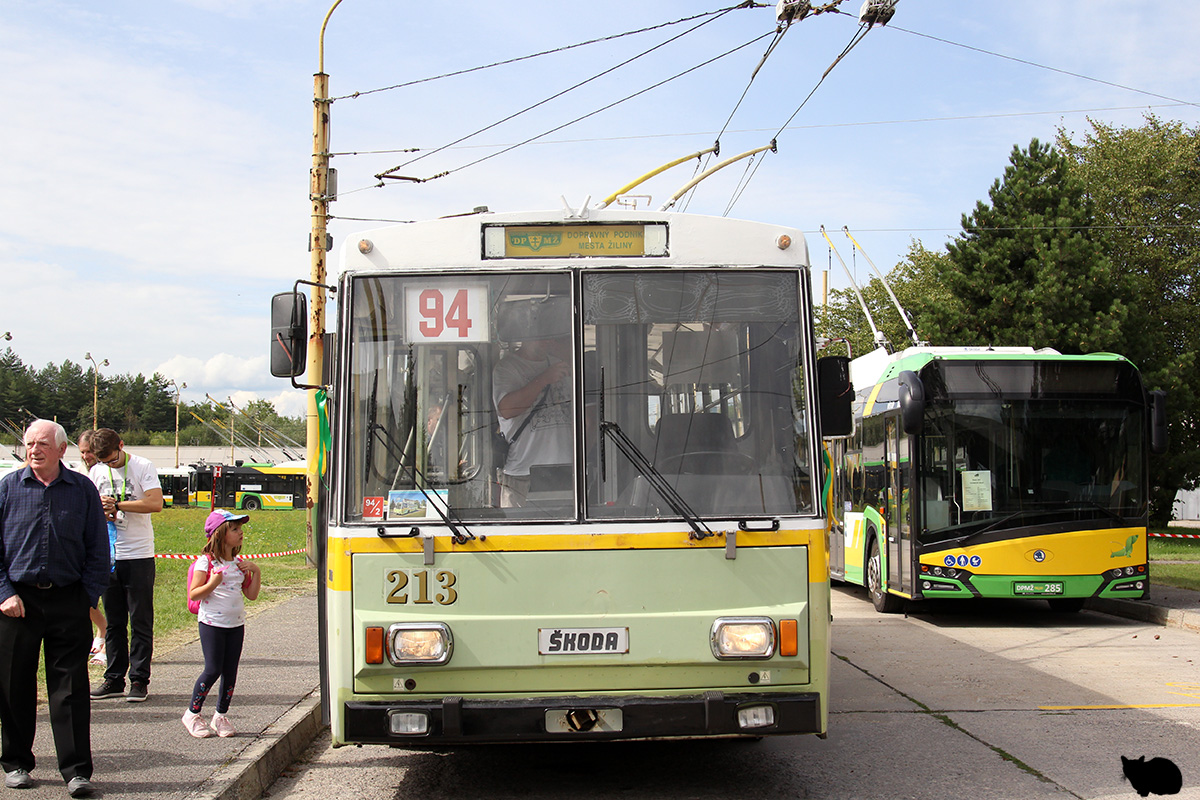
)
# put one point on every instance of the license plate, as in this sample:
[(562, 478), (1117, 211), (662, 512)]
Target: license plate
[(1037, 588), (582, 641)]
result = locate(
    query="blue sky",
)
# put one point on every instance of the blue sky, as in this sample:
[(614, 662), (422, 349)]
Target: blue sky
[(157, 179)]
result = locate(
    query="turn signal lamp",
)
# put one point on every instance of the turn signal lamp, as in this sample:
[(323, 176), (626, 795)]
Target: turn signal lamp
[(374, 645), (789, 639)]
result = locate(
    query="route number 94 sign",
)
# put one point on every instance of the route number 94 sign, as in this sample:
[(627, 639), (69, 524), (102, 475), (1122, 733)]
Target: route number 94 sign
[(446, 314)]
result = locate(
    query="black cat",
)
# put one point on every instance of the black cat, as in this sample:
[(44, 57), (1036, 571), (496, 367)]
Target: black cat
[(1157, 776)]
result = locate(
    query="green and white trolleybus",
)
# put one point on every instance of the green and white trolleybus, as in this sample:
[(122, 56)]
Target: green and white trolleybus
[(996, 472), (666, 573)]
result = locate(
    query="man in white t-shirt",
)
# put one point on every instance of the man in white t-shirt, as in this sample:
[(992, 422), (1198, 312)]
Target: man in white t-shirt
[(130, 493), (531, 388)]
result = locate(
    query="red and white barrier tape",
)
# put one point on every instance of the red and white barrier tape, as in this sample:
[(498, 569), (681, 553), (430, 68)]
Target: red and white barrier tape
[(244, 555), (1176, 535)]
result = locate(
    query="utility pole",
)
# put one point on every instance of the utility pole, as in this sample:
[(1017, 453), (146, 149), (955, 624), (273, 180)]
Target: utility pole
[(318, 244)]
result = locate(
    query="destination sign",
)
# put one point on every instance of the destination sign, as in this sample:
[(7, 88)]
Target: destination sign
[(559, 241)]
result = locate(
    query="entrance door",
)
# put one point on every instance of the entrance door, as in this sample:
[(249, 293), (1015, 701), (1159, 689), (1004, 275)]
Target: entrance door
[(899, 540)]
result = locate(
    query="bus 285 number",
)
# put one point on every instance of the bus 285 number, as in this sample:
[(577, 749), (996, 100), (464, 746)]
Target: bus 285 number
[(415, 588)]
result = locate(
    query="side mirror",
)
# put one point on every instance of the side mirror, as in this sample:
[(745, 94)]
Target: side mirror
[(835, 394), (289, 334), (1158, 422), (912, 402)]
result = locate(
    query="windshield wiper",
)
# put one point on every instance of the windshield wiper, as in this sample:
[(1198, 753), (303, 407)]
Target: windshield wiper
[(636, 457), (962, 540), (458, 536), (1107, 511)]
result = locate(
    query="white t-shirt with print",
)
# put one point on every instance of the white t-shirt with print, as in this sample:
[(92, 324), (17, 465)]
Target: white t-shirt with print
[(224, 607), (135, 532)]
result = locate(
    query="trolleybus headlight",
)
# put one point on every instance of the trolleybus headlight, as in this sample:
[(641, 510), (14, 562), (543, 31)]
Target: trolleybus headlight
[(419, 643), (743, 637)]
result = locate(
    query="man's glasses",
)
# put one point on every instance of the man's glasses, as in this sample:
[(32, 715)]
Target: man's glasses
[(113, 460)]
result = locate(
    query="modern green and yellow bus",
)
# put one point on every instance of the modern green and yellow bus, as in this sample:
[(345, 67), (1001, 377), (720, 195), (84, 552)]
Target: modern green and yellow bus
[(996, 472), (666, 574), (248, 487)]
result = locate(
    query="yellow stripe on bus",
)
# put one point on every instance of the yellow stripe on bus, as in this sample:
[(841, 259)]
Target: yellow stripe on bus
[(870, 404), (338, 557)]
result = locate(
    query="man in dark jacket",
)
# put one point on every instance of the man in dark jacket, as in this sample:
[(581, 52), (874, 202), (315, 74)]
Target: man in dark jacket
[(54, 564)]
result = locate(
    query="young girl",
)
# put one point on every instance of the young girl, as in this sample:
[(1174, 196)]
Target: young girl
[(219, 582)]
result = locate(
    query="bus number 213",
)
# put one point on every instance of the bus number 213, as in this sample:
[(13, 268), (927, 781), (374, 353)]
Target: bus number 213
[(415, 588)]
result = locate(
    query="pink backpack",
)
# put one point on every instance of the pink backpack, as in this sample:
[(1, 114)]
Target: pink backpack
[(193, 605)]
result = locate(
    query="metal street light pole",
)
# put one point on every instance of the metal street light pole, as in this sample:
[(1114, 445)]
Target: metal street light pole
[(231, 411), (95, 388), (178, 388)]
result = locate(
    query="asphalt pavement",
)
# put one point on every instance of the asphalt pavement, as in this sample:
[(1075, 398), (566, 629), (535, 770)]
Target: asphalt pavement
[(141, 750)]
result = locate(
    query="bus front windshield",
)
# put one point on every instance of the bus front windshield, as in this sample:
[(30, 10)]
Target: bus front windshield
[(694, 386), (571, 395), (1000, 464)]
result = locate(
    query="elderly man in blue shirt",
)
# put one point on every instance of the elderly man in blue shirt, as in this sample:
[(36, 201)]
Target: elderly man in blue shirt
[(54, 564)]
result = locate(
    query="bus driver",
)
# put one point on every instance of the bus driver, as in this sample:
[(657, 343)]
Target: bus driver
[(531, 388)]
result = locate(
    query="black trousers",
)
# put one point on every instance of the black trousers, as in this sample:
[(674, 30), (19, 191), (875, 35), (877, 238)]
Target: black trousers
[(57, 619), (129, 611)]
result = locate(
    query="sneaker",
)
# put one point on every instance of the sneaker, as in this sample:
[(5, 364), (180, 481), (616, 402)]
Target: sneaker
[(109, 687), (79, 786), (136, 693), (18, 779), (195, 725), (222, 725)]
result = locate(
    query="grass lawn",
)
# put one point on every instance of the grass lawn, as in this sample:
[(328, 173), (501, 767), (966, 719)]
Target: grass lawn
[(181, 530), (1175, 562)]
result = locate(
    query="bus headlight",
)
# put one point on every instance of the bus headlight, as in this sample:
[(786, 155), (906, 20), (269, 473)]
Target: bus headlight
[(743, 637), (419, 643)]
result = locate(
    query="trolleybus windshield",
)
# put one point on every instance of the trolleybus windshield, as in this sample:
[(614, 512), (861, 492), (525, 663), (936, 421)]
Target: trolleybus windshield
[(701, 370)]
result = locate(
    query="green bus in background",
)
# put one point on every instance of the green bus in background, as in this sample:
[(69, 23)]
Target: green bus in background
[(995, 472)]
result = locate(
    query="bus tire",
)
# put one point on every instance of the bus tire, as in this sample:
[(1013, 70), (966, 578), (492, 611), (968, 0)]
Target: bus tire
[(1067, 605), (884, 602), (251, 504)]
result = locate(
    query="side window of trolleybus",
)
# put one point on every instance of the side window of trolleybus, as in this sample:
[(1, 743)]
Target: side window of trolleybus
[(428, 433), (699, 376)]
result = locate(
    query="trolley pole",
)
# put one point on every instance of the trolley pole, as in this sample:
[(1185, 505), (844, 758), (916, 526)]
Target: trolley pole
[(317, 245)]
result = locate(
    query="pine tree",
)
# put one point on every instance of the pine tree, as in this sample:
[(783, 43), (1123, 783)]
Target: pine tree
[(1027, 269)]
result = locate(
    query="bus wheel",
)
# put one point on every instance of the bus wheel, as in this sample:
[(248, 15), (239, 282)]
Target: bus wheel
[(1068, 605), (884, 603), (252, 504)]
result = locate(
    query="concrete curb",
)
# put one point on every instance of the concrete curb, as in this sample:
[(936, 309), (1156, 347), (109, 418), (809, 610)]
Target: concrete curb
[(252, 771), (1147, 612)]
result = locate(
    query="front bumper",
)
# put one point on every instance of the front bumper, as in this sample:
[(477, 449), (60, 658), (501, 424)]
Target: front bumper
[(457, 720)]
